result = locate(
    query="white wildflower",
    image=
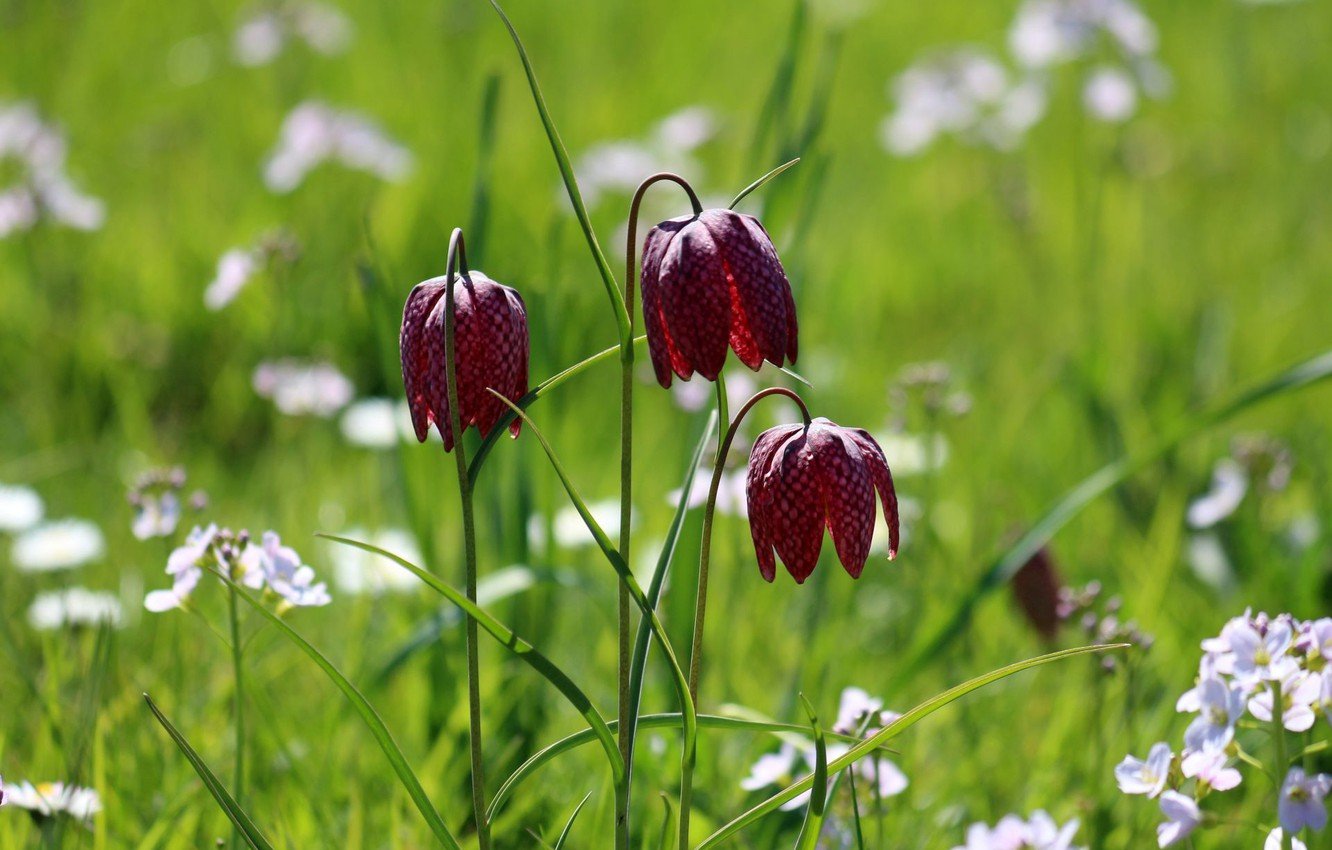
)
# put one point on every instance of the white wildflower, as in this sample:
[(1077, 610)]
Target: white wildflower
[(59, 545)]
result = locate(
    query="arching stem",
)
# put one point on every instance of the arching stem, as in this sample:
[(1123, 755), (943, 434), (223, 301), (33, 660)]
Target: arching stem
[(628, 725), (458, 261), (704, 558)]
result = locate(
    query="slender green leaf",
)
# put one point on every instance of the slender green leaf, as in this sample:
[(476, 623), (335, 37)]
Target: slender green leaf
[(479, 216), (649, 721), (368, 714), (752, 187), (488, 443), (519, 647), (892, 730), (638, 658), (818, 797), (776, 105), (571, 184), (666, 838), (495, 587), (568, 826), (1002, 568), (234, 812)]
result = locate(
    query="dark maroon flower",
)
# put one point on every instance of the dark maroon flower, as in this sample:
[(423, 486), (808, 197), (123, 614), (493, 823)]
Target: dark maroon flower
[(1037, 588), (709, 281), (803, 477), (492, 348)]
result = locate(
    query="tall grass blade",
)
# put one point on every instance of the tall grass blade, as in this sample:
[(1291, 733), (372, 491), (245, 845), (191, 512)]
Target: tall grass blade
[(550, 752), (479, 216), (570, 183), (568, 826), (368, 714), (540, 390), (1002, 569), (818, 798), (666, 838), (529, 654), (753, 187), (234, 812), (892, 730), (638, 658)]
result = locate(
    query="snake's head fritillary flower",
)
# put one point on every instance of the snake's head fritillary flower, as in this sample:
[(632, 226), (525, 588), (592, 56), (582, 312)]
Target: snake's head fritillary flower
[(805, 477), (492, 349), (713, 281), (1037, 588)]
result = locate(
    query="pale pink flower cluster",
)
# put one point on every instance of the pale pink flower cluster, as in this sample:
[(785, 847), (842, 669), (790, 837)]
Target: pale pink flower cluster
[(314, 133), (267, 565), (262, 36), (1269, 669), (301, 388), (43, 189)]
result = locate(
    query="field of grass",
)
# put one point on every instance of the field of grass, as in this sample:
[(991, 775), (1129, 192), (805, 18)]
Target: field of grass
[(1093, 290)]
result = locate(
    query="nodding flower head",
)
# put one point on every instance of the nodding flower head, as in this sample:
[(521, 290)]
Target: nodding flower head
[(709, 281), (805, 477), (492, 348), (1038, 588)]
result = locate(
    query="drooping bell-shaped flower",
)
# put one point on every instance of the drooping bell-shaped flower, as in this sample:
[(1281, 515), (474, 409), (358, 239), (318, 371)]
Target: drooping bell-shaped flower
[(709, 282), (805, 477), (492, 348), (1037, 587)]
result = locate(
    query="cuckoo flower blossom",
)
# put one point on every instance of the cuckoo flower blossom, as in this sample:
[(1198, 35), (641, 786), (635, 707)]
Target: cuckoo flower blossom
[(492, 349), (1149, 776), (1301, 801), (710, 281), (805, 477)]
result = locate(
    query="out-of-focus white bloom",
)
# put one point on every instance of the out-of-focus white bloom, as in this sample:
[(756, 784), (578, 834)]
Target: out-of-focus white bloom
[(1275, 838), (1229, 485), (59, 545), (1138, 776), (1299, 692), (359, 572), (286, 576), (375, 423), (1211, 767), (618, 166), (694, 396), (776, 769), (261, 37), (156, 515), (1110, 95), (20, 508), (731, 499), (1040, 832), (1301, 801), (43, 188), (74, 606), (314, 133), (234, 269), (1207, 558), (912, 454), (1048, 32), (569, 529), (301, 388), (965, 91), (1182, 818), (50, 799)]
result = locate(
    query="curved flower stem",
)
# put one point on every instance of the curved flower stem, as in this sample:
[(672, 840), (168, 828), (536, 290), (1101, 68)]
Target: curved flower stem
[(627, 724), (1282, 762), (238, 667), (705, 556), (458, 261)]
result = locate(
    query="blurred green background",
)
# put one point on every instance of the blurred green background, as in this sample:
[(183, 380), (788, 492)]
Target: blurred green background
[(1089, 290)]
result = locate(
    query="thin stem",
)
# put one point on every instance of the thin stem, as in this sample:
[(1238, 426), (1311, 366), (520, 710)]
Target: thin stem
[(1282, 763), (237, 659), (628, 725), (704, 558), (458, 260)]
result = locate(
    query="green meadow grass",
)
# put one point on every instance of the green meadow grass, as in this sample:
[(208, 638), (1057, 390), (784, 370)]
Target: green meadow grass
[(1091, 291)]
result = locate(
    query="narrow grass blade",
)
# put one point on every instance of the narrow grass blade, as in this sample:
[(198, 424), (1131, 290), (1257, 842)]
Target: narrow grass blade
[(570, 183), (890, 731), (495, 587), (1001, 570), (666, 838), (773, 114), (638, 658), (368, 714), (568, 826), (649, 721), (855, 810), (529, 654), (745, 192), (479, 216), (540, 390), (818, 797), (234, 812)]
